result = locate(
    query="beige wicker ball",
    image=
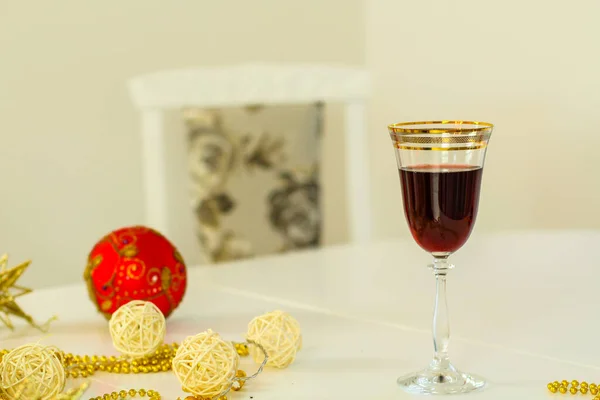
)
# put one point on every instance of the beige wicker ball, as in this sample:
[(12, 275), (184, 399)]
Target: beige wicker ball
[(205, 364), (137, 328), (279, 333), (32, 368)]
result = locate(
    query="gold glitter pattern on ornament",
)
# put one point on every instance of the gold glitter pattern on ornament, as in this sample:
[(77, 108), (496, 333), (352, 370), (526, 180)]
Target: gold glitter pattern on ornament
[(32, 370), (137, 328), (279, 334), (205, 364)]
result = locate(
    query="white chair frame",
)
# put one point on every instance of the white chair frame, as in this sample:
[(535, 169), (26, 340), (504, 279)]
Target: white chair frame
[(254, 84)]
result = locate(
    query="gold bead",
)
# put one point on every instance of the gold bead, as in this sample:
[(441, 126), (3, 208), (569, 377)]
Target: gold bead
[(84, 374), (114, 395), (106, 397), (583, 389), (584, 383), (135, 363), (550, 385), (155, 368), (144, 369), (123, 394), (562, 389), (132, 392), (165, 368), (116, 370), (242, 349), (74, 374), (564, 383), (142, 392), (135, 370), (112, 358), (94, 358), (151, 393), (593, 385), (101, 367), (553, 389), (593, 390), (573, 390), (575, 383)]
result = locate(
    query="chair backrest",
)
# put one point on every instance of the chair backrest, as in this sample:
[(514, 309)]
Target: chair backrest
[(248, 85)]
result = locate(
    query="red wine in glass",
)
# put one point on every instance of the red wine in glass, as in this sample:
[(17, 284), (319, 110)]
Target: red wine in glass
[(440, 165), (440, 204)]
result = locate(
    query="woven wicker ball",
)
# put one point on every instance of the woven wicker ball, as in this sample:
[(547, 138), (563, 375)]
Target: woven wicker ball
[(137, 328), (205, 364), (32, 368), (279, 333)]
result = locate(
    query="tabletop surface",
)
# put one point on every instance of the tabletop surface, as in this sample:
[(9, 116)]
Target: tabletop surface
[(522, 313)]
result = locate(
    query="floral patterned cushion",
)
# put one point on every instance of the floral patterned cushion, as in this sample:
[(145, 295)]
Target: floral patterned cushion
[(254, 174)]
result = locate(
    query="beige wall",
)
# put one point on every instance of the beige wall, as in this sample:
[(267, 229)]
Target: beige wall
[(69, 148), (531, 67), (69, 145)]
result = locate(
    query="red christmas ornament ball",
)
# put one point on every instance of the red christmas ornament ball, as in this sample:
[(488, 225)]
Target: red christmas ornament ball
[(135, 263)]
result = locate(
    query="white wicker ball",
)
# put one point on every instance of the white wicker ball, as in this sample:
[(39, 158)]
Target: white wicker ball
[(205, 364), (137, 328), (32, 369), (279, 333)]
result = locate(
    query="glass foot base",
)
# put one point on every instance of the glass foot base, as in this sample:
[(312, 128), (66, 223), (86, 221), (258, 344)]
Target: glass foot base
[(438, 380)]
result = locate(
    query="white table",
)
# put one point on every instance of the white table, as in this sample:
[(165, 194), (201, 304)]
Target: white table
[(523, 310)]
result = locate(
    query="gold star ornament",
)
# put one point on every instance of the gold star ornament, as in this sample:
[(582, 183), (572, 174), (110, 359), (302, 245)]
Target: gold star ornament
[(9, 291)]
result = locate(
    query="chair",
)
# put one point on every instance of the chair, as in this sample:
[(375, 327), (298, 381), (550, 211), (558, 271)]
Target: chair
[(201, 91)]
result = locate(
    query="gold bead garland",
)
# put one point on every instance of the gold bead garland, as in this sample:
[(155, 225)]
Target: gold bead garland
[(83, 366), (240, 348), (575, 387), (123, 394)]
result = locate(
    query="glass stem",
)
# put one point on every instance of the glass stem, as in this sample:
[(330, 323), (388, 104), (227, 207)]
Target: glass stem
[(441, 322)]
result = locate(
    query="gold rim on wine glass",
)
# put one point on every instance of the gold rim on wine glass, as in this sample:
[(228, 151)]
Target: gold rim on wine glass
[(460, 127), (441, 135)]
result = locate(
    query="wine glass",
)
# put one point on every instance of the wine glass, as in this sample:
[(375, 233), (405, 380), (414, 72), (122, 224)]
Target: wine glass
[(440, 165)]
